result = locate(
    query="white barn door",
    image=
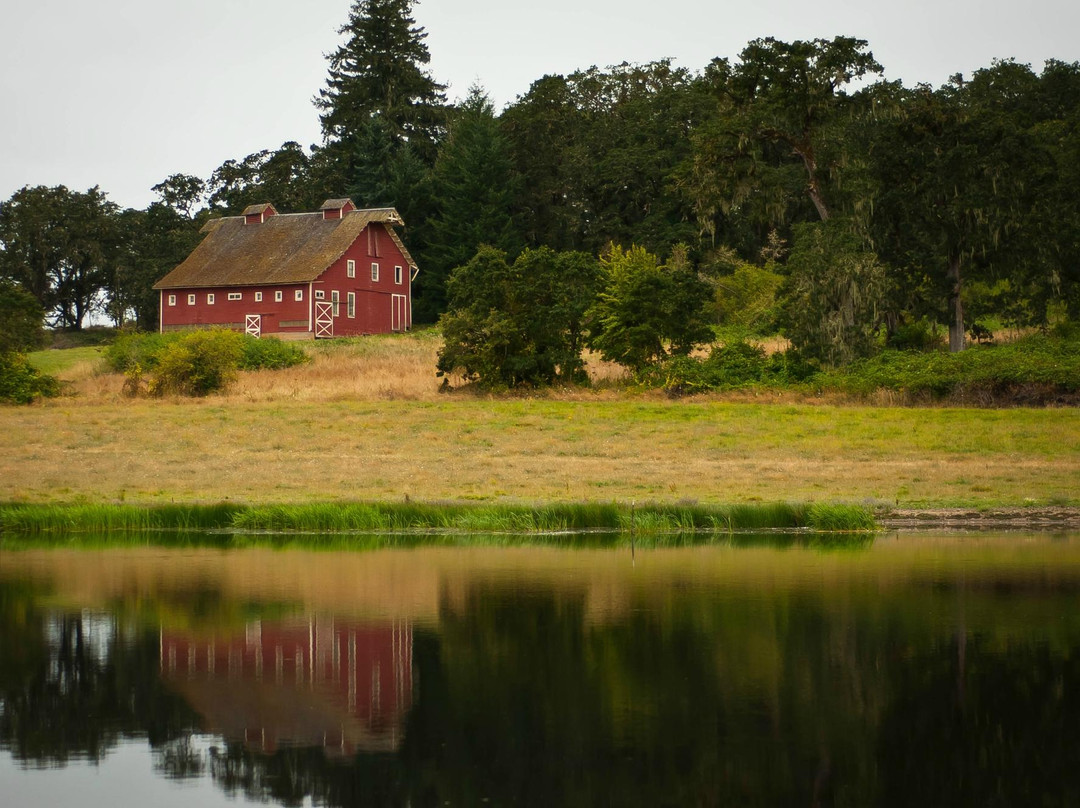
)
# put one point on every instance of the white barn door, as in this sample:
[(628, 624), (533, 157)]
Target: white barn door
[(253, 324), (398, 313), (324, 319)]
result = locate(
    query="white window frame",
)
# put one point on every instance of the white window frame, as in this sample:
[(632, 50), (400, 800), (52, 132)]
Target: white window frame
[(350, 268), (191, 300), (278, 296), (298, 295), (319, 294), (350, 305), (397, 275), (236, 295), (258, 297), (335, 298), (209, 298), (172, 300), (374, 272)]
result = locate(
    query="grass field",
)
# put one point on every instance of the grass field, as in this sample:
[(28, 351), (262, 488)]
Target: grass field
[(366, 422)]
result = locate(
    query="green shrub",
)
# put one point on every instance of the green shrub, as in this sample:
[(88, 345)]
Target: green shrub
[(21, 382), (1039, 360), (917, 336), (271, 353), (730, 367), (198, 363), (131, 349), (20, 319), (195, 362)]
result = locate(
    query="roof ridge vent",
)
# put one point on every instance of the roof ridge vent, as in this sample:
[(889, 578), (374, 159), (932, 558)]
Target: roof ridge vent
[(257, 214), (336, 208)]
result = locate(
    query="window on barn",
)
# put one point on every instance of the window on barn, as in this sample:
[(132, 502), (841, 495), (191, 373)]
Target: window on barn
[(236, 295), (350, 305), (336, 300), (172, 300), (277, 296), (258, 297), (191, 300), (350, 268), (209, 298), (298, 294), (375, 272), (397, 275), (319, 294)]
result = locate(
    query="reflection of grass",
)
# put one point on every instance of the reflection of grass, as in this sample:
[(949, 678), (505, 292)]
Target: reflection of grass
[(414, 516), (361, 542)]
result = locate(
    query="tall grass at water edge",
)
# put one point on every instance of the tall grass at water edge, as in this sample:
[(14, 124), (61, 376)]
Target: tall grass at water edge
[(414, 516), (102, 518)]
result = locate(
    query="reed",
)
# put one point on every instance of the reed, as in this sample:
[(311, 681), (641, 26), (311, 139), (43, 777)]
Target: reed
[(402, 517), (113, 518), (837, 518)]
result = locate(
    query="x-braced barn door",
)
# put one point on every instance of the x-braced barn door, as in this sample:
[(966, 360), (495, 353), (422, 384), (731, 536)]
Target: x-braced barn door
[(253, 324), (324, 319)]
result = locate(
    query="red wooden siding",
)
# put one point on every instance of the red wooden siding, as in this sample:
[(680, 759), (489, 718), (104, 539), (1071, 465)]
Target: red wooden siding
[(288, 316), (374, 299)]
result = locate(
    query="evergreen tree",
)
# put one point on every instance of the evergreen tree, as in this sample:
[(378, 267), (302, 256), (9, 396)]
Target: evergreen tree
[(379, 70), (474, 188)]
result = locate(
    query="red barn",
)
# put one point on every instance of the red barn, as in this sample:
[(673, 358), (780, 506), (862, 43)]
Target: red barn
[(336, 272)]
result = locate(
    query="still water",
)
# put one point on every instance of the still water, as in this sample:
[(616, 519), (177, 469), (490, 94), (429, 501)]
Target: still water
[(911, 670)]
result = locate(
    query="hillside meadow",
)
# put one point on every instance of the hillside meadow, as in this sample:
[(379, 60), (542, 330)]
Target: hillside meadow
[(366, 420)]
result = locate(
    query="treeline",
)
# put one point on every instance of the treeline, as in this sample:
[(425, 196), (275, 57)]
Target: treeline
[(800, 189)]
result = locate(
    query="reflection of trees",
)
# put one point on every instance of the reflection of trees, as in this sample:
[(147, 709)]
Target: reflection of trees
[(178, 759), (1009, 736), (70, 688), (535, 706), (927, 695)]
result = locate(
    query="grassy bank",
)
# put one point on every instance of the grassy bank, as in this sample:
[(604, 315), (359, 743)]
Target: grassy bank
[(599, 449), (412, 517), (365, 421)]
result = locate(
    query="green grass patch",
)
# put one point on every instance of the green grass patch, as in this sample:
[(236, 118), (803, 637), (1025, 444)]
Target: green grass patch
[(323, 518), (58, 360)]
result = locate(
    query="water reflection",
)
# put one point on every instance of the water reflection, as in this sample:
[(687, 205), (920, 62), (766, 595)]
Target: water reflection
[(345, 686), (915, 672)]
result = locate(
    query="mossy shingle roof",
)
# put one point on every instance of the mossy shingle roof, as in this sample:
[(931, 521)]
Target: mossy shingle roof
[(286, 248)]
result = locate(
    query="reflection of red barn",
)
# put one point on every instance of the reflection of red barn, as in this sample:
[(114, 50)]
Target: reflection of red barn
[(316, 682)]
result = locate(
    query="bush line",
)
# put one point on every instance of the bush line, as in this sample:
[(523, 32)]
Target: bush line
[(413, 516)]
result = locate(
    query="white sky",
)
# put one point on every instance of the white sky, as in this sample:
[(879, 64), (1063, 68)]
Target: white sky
[(122, 93)]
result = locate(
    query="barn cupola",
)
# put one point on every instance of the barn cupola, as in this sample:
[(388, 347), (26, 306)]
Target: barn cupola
[(336, 208), (257, 214)]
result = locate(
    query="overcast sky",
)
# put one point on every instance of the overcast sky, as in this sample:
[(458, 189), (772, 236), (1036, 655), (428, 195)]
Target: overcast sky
[(122, 93)]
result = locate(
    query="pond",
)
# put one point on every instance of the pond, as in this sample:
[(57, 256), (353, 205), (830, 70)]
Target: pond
[(913, 669)]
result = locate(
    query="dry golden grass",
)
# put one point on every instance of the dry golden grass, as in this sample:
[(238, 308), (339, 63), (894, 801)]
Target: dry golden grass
[(366, 421)]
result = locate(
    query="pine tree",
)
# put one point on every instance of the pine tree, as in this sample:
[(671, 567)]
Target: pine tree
[(379, 71), (474, 189)]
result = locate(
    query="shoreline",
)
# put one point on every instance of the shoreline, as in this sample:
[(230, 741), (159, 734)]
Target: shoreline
[(1039, 517)]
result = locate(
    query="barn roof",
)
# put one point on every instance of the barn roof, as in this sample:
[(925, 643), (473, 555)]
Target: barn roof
[(287, 248)]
